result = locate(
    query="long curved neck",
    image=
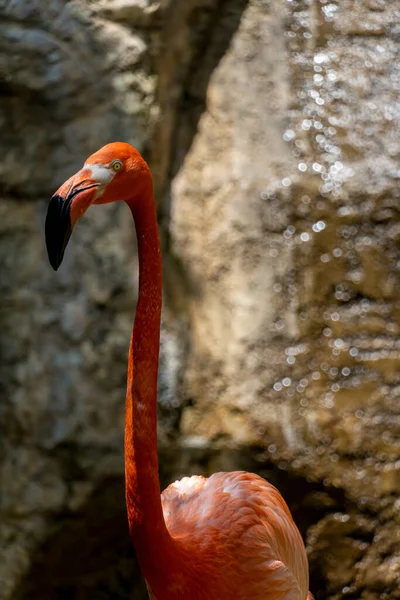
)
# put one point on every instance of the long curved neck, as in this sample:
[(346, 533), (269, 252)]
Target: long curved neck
[(145, 516)]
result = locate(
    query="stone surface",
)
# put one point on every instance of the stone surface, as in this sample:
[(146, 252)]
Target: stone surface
[(272, 132), (285, 215), (71, 82)]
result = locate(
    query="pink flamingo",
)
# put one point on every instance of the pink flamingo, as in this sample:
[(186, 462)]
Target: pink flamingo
[(228, 537)]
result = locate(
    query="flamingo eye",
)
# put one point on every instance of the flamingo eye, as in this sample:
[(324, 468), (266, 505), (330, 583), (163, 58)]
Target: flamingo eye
[(116, 165)]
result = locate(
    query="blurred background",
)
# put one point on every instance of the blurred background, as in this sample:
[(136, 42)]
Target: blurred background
[(272, 134)]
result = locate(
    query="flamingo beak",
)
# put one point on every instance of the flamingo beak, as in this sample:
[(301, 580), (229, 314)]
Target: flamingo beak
[(67, 205)]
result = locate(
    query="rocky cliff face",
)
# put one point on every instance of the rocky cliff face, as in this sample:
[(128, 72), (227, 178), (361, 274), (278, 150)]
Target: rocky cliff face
[(271, 132)]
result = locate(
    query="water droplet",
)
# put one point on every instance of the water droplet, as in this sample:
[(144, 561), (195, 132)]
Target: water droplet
[(305, 237), (318, 226), (340, 517), (302, 167), (289, 135), (277, 386), (329, 11), (317, 167), (286, 381), (321, 58), (318, 79)]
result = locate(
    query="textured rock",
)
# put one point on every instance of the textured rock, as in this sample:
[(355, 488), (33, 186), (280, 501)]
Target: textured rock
[(275, 168), (285, 215), (71, 82)]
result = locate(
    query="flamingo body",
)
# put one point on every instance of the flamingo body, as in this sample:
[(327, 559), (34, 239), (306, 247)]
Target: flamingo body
[(239, 528), (228, 537)]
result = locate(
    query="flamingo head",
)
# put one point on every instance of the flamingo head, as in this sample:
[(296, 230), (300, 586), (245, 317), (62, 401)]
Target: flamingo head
[(115, 172)]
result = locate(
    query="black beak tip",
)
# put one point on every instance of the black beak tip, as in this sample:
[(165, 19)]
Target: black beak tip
[(54, 265), (58, 229)]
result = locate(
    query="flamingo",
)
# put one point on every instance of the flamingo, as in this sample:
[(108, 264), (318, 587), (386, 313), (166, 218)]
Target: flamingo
[(227, 537)]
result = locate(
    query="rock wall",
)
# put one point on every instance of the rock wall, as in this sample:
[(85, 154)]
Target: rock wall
[(72, 80), (271, 132), (285, 215)]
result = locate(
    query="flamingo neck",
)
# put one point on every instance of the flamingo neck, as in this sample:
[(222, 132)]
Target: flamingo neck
[(146, 522)]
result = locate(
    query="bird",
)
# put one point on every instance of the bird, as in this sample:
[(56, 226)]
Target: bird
[(230, 536)]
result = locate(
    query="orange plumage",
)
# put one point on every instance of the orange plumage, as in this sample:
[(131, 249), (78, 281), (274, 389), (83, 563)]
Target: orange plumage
[(228, 537), (242, 534)]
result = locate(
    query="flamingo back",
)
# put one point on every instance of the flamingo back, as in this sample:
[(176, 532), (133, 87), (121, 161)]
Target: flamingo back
[(237, 531)]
